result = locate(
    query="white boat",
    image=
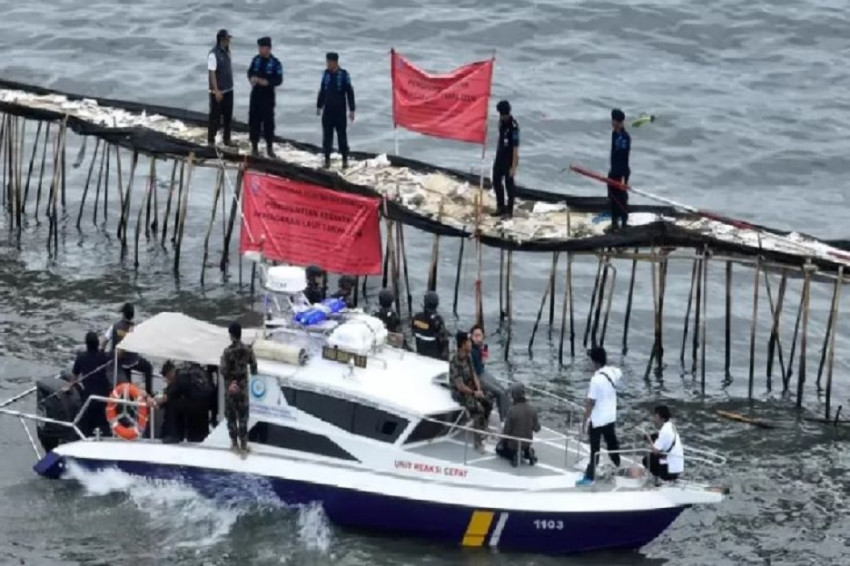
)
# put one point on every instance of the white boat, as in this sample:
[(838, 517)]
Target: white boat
[(372, 433)]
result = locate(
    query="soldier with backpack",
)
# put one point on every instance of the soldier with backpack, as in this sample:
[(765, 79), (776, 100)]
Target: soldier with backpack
[(186, 400)]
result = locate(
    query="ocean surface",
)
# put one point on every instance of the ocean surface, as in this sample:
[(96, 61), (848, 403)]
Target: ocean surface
[(753, 115)]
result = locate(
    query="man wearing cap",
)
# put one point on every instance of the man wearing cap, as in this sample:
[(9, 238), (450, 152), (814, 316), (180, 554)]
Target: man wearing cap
[(507, 160), (128, 361), (221, 87), (236, 360), (336, 95), (265, 73), (621, 143)]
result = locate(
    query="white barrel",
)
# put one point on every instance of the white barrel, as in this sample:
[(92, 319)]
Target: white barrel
[(279, 352)]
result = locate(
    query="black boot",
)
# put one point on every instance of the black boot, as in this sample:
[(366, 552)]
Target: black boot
[(345, 162), (498, 212), (327, 162), (270, 151), (254, 149)]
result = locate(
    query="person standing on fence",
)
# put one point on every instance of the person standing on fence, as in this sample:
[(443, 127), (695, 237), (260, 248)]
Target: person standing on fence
[(265, 73), (336, 96), (236, 361), (221, 88), (600, 412), (506, 161), (621, 144)]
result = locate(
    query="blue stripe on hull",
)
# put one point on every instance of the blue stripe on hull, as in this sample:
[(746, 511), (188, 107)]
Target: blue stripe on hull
[(545, 533)]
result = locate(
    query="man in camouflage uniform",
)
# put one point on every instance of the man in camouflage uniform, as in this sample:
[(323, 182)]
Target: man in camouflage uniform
[(235, 362), (467, 388)]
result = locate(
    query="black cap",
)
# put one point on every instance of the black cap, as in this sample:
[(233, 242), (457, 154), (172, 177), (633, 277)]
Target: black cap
[(264, 42), (128, 311), (617, 115), (598, 355), (503, 107), (332, 56), (235, 330), (223, 33), (461, 338), (166, 367)]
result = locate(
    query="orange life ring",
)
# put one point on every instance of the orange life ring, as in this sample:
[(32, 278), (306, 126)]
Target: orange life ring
[(120, 416)]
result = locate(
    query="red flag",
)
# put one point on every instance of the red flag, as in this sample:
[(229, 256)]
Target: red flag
[(451, 105), (306, 224)]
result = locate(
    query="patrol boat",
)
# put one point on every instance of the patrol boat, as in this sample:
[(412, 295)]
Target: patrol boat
[(372, 433)]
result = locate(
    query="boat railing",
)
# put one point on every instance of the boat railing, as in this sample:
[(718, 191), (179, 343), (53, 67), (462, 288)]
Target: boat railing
[(698, 461), (74, 424)]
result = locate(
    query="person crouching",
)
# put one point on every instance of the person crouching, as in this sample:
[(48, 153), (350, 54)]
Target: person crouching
[(521, 422), (667, 455)]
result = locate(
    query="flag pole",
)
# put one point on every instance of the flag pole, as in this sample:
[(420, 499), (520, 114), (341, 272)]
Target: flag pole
[(479, 307)]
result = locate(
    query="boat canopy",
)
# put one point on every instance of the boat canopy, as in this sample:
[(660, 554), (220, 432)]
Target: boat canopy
[(175, 336)]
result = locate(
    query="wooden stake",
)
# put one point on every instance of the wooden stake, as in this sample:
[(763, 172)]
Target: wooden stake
[(609, 302), (688, 310), (662, 289), (786, 379), (753, 330), (564, 310), (120, 193), (88, 180), (728, 333), (125, 211), (183, 207), (510, 302), (435, 256), (593, 301), (774, 331), (801, 374), (540, 313), (629, 307), (152, 193), (501, 285), (171, 194), (836, 301), (234, 211), (552, 294), (41, 174), (704, 315), (602, 286), (32, 162), (400, 228), (104, 157), (697, 314), (457, 275), (145, 198), (571, 294), (653, 352), (218, 186), (64, 153)]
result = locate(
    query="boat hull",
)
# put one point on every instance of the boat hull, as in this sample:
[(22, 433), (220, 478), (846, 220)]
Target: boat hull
[(496, 527)]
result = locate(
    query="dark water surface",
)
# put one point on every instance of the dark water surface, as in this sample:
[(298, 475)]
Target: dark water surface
[(753, 115)]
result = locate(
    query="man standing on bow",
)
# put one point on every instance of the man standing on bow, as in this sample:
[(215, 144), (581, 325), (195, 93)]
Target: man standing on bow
[(336, 95), (221, 88), (621, 144), (265, 73), (236, 361), (600, 412), (506, 161)]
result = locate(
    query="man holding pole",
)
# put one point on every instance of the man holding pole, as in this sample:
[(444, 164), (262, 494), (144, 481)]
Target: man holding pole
[(621, 143)]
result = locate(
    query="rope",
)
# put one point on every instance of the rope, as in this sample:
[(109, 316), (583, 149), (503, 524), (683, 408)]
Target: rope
[(235, 197), (92, 372)]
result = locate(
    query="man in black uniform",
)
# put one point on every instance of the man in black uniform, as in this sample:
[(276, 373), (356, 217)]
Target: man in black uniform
[(506, 161), (265, 73), (429, 329), (334, 93), (89, 373), (221, 87), (345, 289), (128, 360), (621, 144), (386, 313), (186, 400), (315, 291)]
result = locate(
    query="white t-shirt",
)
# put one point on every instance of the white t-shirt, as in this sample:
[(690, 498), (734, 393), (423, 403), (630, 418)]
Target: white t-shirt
[(673, 454), (212, 62), (603, 391)]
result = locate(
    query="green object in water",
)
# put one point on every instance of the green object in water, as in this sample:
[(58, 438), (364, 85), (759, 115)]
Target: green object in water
[(643, 119)]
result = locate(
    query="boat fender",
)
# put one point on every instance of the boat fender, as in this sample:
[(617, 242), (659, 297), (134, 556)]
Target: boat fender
[(120, 416), (279, 352)]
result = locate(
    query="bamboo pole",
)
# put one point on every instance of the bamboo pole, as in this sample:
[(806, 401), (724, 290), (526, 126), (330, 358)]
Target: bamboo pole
[(786, 379), (171, 195), (435, 256), (457, 274), (552, 294), (603, 285), (727, 364), (151, 193), (154, 226), (41, 173), (501, 285), (629, 307), (593, 301), (32, 162), (662, 290), (510, 301), (125, 210), (564, 312), (3, 144), (570, 288), (64, 153), (183, 207), (609, 303), (776, 313), (106, 191), (400, 228), (704, 316), (234, 211), (801, 374), (753, 331), (146, 197), (836, 301), (19, 156), (697, 314), (540, 313), (120, 184), (218, 186), (88, 180), (180, 188), (653, 352), (688, 311), (827, 335), (53, 229)]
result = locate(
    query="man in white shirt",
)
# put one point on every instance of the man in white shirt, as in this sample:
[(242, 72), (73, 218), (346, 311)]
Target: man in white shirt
[(600, 412), (667, 457), (221, 88)]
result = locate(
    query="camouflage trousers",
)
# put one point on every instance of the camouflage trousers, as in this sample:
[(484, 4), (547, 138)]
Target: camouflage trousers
[(236, 412), (479, 409)]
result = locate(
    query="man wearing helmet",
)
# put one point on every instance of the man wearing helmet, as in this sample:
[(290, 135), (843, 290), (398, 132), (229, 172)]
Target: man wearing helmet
[(429, 329), (315, 291), (345, 289), (386, 313)]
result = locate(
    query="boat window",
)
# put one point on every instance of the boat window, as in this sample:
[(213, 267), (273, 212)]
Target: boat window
[(428, 430), (352, 417), (293, 439)]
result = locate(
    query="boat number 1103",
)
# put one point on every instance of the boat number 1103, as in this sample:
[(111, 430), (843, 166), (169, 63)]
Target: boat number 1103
[(548, 525)]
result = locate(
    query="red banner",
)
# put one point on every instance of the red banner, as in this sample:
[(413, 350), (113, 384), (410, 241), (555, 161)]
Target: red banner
[(306, 224), (451, 105)]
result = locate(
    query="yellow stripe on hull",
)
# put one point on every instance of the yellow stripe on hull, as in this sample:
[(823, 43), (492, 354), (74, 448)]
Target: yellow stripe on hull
[(479, 526)]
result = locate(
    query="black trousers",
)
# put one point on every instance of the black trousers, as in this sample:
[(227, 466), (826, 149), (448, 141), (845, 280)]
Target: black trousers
[(185, 419), (334, 121), (221, 114), (503, 181), (619, 200), (609, 433), (654, 465), (507, 449), (261, 117), (130, 362)]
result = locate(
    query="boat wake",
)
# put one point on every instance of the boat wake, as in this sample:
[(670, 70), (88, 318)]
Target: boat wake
[(186, 519)]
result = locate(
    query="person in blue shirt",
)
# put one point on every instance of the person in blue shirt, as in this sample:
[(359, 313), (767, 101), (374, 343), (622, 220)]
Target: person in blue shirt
[(336, 96), (265, 73), (621, 144)]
